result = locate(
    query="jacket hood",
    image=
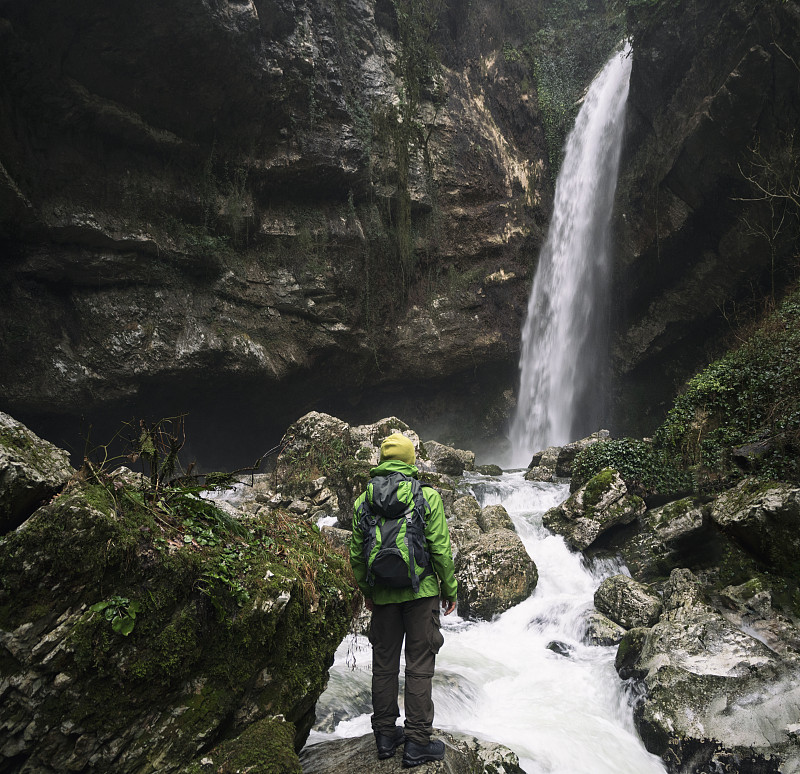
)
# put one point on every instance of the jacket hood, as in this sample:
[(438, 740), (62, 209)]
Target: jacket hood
[(395, 466)]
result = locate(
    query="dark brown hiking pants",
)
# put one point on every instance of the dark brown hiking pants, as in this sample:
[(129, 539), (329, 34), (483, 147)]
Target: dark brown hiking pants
[(418, 622)]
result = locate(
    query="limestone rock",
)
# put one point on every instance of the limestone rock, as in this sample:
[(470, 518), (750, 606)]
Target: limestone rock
[(674, 535), (489, 470), (555, 462), (627, 602), (598, 506), (543, 465), (714, 693), (31, 470), (466, 508), (447, 460), (764, 520), (370, 437), (601, 630), (629, 651), (462, 521), (495, 517), (463, 755), (494, 573)]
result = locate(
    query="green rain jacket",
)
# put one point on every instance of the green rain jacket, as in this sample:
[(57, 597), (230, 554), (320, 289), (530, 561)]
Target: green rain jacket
[(438, 538)]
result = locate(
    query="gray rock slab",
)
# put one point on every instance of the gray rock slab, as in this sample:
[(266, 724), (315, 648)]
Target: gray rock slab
[(627, 602), (31, 470), (463, 755)]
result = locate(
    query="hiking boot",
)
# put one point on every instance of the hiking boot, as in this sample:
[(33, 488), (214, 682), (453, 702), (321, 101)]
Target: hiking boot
[(417, 754), (387, 744)]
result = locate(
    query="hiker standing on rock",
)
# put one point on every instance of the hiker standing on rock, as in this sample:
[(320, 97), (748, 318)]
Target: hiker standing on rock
[(400, 553)]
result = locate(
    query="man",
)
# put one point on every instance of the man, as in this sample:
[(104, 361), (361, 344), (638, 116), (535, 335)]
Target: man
[(403, 611)]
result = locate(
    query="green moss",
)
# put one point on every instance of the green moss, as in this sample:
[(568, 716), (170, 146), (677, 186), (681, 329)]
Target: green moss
[(209, 620), (749, 396), (264, 747), (643, 469), (596, 487)]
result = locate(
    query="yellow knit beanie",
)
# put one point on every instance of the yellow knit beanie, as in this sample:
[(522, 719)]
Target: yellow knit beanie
[(398, 447)]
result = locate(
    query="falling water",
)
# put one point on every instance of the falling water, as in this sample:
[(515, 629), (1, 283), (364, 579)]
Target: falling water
[(562, 713), (564, 339)]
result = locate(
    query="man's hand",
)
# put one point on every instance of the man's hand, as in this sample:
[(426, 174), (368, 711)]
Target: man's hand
[(369, 604), (448, 605)]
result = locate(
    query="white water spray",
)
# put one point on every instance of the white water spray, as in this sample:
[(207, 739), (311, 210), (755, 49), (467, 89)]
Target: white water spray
[(564, 341), (562, 713)]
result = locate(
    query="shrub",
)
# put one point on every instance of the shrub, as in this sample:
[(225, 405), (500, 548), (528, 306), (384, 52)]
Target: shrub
[(645, 471), (751, 395)]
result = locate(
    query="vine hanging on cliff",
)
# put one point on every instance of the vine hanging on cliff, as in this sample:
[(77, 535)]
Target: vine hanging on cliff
[(417, 64)]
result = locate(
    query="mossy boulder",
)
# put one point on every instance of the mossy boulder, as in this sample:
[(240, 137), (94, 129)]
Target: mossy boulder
[(31, 470), (597, 507), (555, 462), (139, 638), (264, 747)]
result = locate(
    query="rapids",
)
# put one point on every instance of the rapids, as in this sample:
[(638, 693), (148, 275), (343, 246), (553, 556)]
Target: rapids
[(498, 680)]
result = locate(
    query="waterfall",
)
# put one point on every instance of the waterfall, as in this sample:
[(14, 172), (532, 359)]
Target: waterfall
[(564, 340)]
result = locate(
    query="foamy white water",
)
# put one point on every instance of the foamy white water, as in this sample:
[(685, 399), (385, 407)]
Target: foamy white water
[(499, 681), (564, 339)]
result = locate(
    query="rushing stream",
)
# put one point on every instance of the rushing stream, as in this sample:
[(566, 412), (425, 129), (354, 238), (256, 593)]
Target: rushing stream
[(562, 714)]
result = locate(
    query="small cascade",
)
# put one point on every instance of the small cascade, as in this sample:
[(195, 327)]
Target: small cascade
[(563, 711), (564, 340)]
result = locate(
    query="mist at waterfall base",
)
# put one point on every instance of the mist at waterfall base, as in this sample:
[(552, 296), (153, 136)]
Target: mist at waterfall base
[(499, 681), (565, 337)]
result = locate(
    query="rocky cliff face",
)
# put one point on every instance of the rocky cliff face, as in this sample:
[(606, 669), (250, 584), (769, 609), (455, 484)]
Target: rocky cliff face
[(706, 222), (207, 203)]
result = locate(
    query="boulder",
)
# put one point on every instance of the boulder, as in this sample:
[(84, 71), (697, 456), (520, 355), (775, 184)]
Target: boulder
[(129, 641), (716, 696), (629, 651), (495, 517), (462, 521), (601, 630), (675, 535), (543, 465), (31, 470), (494, 573), (447, 460), (370, 437), (600, 505), (749, 606), (627, 602), (489, 470), (555, 462), (764, 520), (326, 463), (463, 755)]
